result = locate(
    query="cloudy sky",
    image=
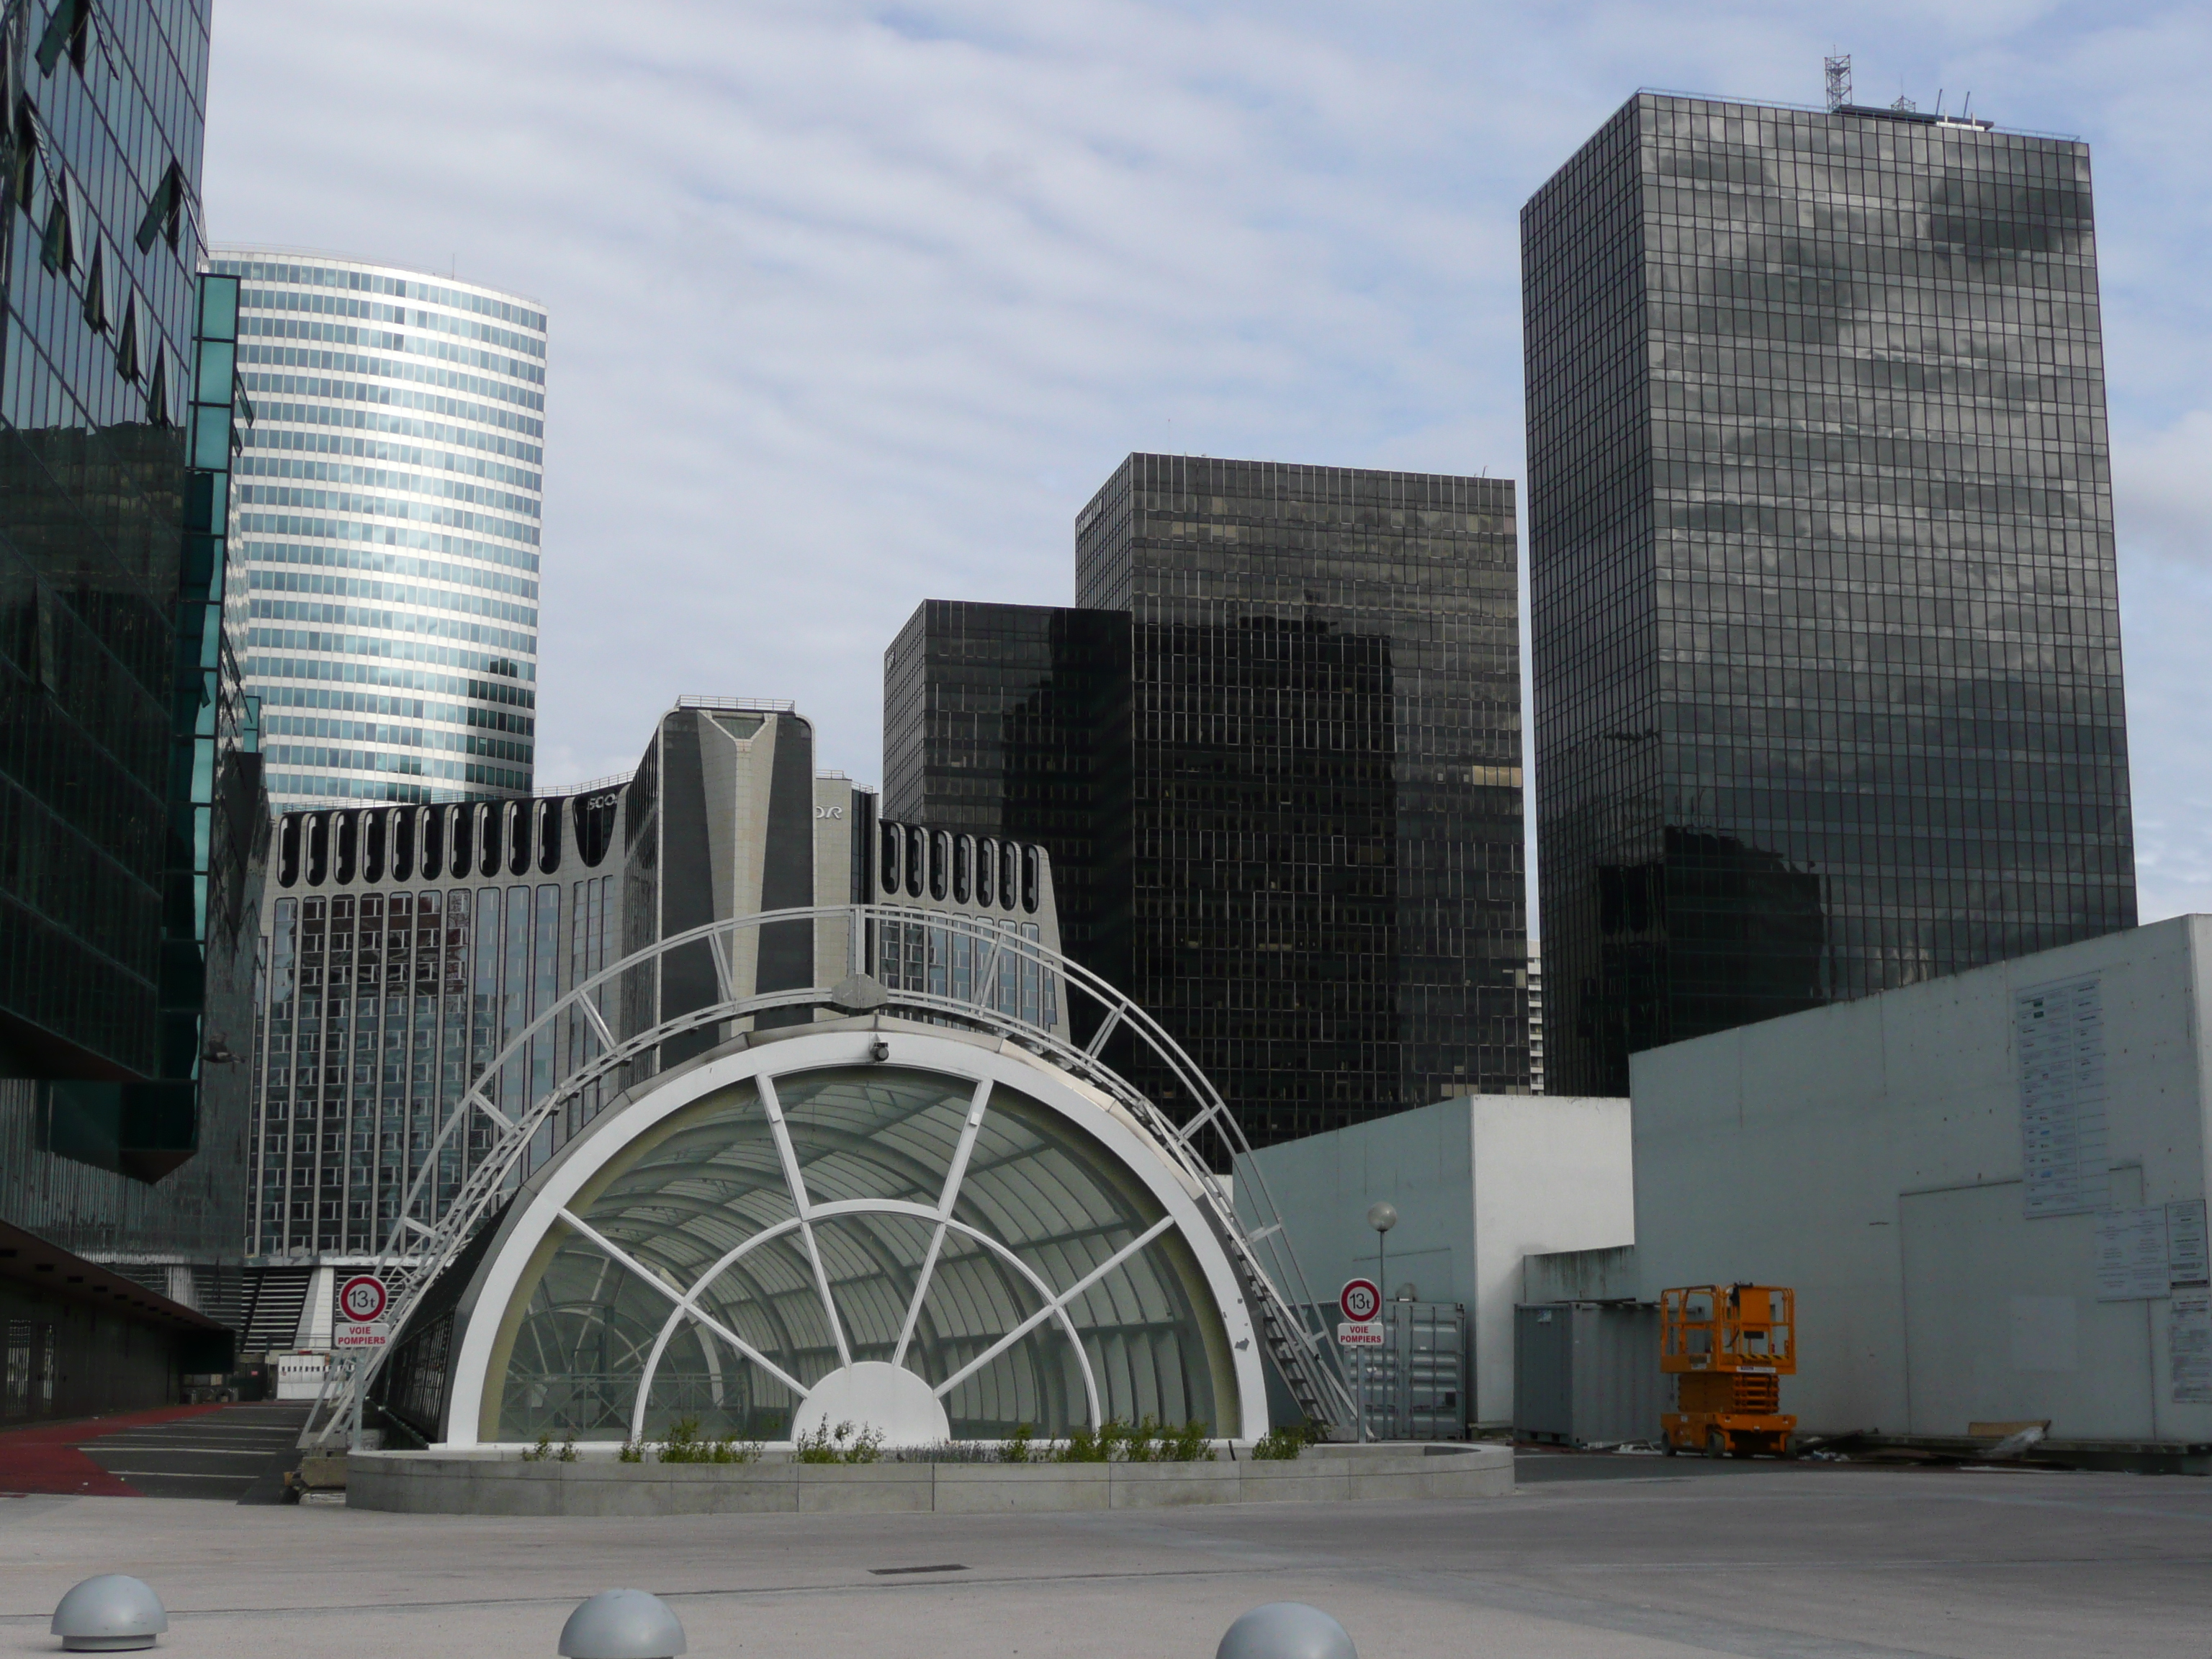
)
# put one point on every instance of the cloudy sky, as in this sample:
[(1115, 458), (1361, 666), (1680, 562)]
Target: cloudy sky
[(855, 305)]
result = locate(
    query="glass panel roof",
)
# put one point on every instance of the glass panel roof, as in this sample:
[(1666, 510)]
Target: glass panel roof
[(989, 1303)]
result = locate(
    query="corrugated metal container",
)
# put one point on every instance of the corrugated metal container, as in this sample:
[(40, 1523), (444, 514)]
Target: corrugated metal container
[(1415, 1387), (1586, 1373)]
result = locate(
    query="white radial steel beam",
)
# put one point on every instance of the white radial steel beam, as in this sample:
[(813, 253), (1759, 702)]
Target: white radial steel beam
[(420, 1245), (1057, 1305), (623, 1258), (686, 1302), (796, 1177), (953, 1176)]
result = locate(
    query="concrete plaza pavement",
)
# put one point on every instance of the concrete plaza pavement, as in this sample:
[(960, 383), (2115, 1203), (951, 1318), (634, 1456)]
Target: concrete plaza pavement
[(1828, 1562)]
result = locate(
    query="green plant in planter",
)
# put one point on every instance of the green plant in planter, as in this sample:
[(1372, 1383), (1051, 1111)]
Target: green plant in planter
[(1281, 1445), (1089, 1445), (1143, 1443), (1018, 1447), (1191, 1443), (631, 1452), (845, 1443), (685, 1445), (542, 1451)]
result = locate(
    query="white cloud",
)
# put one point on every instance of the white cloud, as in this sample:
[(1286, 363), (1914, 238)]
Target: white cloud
[(853, 306), (2162, 490)]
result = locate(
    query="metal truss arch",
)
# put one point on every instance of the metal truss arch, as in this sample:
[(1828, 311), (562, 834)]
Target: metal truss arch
[(1202, 1146)]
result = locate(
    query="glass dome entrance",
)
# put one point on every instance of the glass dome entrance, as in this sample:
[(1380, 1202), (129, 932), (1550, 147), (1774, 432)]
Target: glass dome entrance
[(957, 1243)]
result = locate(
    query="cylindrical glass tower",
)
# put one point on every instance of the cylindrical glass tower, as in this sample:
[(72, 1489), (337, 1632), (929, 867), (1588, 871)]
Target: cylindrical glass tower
[(387, 509)]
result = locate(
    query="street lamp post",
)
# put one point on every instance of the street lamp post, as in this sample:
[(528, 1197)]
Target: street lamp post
[(1382, 1216)]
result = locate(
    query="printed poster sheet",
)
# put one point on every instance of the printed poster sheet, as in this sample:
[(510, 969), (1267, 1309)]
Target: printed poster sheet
[(2131, 1254), (2190, 1348), (2185, 1256)]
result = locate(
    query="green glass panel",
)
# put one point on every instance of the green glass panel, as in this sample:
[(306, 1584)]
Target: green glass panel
[(218, 362), (219, 309)]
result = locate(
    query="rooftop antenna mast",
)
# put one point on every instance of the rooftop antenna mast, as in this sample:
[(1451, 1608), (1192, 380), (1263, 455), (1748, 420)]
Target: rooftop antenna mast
[(1839, 81)]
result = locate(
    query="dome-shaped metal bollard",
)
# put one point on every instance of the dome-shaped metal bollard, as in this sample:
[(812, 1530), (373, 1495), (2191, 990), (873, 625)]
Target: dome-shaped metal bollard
[(111, 1613), (622, 1624), (1286, 1630)]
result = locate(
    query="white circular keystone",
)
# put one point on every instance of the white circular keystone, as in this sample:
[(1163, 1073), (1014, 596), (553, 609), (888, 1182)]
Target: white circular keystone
[(622, 1624), (111, 1613), (872, 1395), (1286, 1630)]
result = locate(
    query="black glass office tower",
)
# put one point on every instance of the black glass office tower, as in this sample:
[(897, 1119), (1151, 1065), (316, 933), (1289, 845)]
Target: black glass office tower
[(1825, 622), (132, 822), (1011, 720), (1275, 757)]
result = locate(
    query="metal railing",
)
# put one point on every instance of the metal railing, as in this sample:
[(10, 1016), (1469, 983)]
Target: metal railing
[(1202, 1143)]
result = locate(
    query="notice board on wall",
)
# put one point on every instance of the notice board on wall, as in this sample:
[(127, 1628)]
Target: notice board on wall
[(2059, 1041)]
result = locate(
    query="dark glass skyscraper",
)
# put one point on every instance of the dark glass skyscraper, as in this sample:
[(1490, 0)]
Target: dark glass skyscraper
[(1824, 620), (132, 820), (1275, 757), (1011, 720)]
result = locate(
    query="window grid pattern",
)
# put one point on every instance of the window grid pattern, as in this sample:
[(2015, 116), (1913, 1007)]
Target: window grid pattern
[(93, 382), (1824, 606), (391, 500), (1326, 902), (381, 1009)]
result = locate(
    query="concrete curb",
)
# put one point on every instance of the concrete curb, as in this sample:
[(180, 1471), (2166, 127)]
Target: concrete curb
[(437, 1482)]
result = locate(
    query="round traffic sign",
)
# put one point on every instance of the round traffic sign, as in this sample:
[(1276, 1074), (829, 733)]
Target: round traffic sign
[(1361, 1299), (361, 1298)]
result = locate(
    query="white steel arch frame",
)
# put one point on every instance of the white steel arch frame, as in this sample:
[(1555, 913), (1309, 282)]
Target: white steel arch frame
[(417, 1250), (555, 1202)]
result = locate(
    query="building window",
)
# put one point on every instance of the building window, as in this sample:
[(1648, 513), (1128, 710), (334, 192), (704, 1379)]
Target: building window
[(126, 340), (68, 30), (95, 289), (57, 247), (165, 212)]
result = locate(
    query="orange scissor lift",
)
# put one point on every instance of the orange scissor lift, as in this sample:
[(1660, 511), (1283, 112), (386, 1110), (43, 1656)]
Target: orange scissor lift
[(1728, 1346)]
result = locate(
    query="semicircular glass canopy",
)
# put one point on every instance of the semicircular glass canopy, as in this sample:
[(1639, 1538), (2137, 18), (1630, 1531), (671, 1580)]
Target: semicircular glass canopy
[(728, 1259)]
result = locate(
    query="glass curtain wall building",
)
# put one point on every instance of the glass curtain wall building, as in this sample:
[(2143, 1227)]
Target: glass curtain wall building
[(1275, 757), (1010, 721), (389, 510), (1824, 620), (1328, 897), (131, 820)]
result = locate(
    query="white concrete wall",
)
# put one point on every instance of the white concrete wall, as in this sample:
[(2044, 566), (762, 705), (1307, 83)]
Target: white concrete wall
[(1421, 1161), (1552, 1172), (1479, 1181), (1869, 1155)]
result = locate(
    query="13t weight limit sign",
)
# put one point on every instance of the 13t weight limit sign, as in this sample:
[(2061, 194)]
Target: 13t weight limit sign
[(1359, 1301), (362, 1301)]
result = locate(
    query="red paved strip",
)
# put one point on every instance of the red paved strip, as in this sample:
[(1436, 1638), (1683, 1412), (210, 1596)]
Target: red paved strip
[(47, 1459)]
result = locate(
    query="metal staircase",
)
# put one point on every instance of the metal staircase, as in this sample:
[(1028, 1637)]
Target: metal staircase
[(425, 1241), (273, 1307)]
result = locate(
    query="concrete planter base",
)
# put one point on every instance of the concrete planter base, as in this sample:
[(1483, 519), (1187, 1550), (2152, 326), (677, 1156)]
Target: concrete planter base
[(436, 1482)]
